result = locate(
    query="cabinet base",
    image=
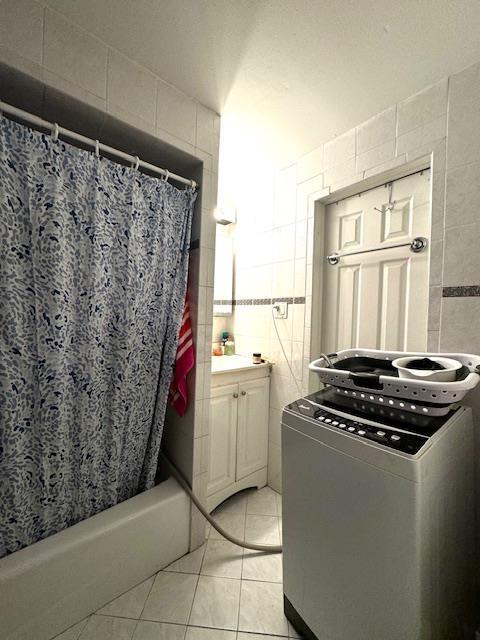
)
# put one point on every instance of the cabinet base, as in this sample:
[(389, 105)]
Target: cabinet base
[(257, 479)]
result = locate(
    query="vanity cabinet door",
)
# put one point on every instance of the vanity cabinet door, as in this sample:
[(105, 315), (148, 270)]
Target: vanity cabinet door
[(223, 437), (252, 430)]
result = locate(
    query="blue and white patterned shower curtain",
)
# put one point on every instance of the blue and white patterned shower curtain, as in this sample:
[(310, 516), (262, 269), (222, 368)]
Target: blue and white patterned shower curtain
[(93, 270)]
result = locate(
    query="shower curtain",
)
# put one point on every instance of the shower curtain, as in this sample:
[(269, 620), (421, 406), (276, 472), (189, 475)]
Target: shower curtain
[(93, 270)]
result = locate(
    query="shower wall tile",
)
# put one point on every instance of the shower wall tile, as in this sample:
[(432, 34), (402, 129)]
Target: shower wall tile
[(175, 142), (433, 341), (462, 195), (465, 85), (340, 172), (463, 133), (131, 118), (339, 150), (21, 28), (131, 87), (434, 307), (9, 58), (459, 325), (376, 131), (310, 165), (200, 343), (425, 136), (205, 129), (176, 112), (462, 255), (58, 92), (205, 157), (377, 155), (436, 262), (422, 107), (385, 166), (283, 243), (74, 54), (299, 279), (285, 196)]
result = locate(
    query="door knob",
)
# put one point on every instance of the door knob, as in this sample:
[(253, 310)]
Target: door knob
[(235, 395), (244, 393)]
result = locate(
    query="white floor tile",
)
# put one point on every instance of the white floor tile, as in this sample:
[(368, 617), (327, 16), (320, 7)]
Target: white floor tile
[(189, 563), (108, 628), (265, 567), (232, 522), (222, 559), (200, 633), (262, 502), (159, 631), (73, 632), (261, 608), (171, 597), (216, 603), (131, 603), (262, 529)]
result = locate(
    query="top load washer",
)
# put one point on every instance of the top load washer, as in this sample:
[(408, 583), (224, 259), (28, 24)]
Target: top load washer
[(377, 521)]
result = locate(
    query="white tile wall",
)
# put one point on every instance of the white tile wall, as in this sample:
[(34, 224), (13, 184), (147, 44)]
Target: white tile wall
[(415, 128), (22, 31), (422, 107), (131, 87), (176, 113), (377, 130), (73, 53)]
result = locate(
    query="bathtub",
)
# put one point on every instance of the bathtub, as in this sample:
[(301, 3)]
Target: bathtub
[(56, 582)]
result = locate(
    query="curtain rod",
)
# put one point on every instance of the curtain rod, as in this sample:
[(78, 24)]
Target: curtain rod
[(98, 146)]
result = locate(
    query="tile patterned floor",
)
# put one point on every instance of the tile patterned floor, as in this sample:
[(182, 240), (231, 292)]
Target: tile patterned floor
[(218, 592)]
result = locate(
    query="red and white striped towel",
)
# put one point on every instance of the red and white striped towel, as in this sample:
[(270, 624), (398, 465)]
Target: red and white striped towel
[(184, 363)]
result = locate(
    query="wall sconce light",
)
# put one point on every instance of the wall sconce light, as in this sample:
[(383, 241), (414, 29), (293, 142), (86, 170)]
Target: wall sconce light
[(224, 215)]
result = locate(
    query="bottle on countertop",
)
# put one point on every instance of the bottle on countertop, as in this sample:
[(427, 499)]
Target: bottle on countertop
[(229, 346), (224, 338)]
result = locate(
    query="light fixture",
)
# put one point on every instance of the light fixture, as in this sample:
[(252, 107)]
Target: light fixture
[(224, 215)]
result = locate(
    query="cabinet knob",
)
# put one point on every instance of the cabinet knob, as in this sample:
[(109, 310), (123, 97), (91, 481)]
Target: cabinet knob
[(244, 393), (235, 395)]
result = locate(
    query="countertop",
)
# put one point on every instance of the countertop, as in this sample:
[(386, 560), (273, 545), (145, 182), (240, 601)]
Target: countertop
[(221, 364)]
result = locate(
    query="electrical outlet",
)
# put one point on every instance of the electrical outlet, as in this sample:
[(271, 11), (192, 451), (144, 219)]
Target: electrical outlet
[(280, 310)]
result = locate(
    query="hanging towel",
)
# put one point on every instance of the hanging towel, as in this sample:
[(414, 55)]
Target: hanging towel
[(184, 362)]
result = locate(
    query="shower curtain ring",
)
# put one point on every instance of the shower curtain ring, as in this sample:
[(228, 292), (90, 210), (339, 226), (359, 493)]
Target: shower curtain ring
[(55, 132), (97, 148), (137, 163), (166, 176)]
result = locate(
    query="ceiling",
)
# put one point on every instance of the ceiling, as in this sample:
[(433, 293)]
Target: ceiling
[(300, 71)]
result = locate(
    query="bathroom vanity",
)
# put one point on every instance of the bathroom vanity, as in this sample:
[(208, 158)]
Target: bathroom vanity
[(239, 403)]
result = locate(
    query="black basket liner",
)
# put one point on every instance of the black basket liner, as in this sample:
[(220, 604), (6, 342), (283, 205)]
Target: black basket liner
[(379, 367)]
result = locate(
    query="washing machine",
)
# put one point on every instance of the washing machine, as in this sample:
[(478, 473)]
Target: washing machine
[(378, 521)]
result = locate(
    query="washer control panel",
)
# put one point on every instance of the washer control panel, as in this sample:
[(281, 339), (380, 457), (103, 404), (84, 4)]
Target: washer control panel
[(401, 441)]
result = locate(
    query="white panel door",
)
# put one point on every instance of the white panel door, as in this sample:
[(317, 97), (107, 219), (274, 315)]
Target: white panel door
[(223, 437), (252, 431), (378, 299)]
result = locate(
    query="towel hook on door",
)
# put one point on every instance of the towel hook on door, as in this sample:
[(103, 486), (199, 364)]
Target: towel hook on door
[(391, 203)]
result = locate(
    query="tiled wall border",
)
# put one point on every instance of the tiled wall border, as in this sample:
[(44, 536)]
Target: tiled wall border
[(470, 291), (261, 301)]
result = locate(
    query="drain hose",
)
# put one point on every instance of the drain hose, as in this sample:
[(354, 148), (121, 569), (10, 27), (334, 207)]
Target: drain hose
[(267, 548)]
